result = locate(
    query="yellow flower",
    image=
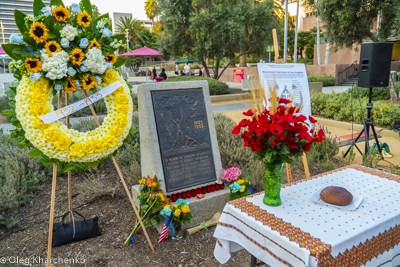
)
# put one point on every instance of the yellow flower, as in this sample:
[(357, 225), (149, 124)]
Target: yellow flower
[(61, 14), (177, 212), (374, 112), (51, 134), (88, 146), (52, 47), (84, 19), (38, 98), (71, 86), (38, 124), (40, 87), (153, 184), (167, 206), (240, 181), (62, 143), (110, 140), (33, 65), (38, 109), (38, 32), (175, 206), (381, 110), (98, 146), (76, 150), (94, 44), (122, 108), (142, 181), (120, 120), (161, 197), (116, 131), (110, 76), (88, 83), (185, 209), (242, 189), (121, 98), (111, 58), (77, 56)]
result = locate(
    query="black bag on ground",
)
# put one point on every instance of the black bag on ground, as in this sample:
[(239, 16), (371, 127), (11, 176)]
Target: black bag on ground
[(64, 233)]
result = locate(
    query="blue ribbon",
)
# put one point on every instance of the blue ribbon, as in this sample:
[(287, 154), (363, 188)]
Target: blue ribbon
[(168, 222)]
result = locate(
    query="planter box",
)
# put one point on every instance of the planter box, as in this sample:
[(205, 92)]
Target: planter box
[(315, 87)]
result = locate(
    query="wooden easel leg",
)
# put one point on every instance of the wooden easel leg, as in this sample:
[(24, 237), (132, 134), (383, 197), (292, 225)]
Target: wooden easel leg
[(53, 199), (288, 173), (305, 164), (123, 181), (69, 173)]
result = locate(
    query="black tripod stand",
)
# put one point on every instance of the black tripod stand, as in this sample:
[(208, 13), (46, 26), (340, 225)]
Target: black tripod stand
[(367, 123)]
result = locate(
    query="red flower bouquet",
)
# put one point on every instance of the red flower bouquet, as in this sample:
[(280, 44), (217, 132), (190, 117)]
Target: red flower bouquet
[(277, 135)]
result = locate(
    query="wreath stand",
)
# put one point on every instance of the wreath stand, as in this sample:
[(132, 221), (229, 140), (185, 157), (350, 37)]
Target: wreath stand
[(54, 180), (306, 170)]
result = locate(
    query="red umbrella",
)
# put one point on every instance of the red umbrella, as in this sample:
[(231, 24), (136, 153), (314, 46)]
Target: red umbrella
[(144, 51), (2, 52)]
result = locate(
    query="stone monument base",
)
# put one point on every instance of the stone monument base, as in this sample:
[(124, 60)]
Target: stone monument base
[(202, 209)]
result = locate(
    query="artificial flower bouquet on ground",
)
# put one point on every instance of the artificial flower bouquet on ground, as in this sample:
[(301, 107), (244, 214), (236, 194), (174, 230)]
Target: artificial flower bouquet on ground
[(276, 136), (239, 187), (180, 213), (151, 201)]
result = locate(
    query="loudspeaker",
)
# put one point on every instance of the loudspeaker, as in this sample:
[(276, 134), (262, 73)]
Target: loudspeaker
[(375, 60)]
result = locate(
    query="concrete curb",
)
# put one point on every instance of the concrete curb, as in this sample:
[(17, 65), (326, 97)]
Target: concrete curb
[(230, 97), (357, 127)]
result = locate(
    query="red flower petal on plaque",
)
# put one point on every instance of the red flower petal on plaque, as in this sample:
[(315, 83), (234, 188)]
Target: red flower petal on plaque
[(284, 101), (290, 138), (306, 147), (236, 130), (257, 146), (280, 137), (273, 143), (312, 120), (305, 135), (248, 113), (244, 123), (291, 144), (275, 129), (245, 135), (261, 130), (321, 133), (301, 118)]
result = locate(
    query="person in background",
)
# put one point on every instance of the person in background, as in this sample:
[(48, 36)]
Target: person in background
[(154, 73), (163, 74), (182, 73), (187, 69), (200, 73), (176, 69)]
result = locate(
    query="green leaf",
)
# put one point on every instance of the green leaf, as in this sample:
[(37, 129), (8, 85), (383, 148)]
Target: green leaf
[(29, 39), (49, 22), (119, 37), (92, 164), (17, 75), (8, 112), (247, 192), (35, 153), (94, 22), (44, 161), (88, 7), (56, 3), (20, 21), (153, 221), (37, 6), (8, 48), (52, 36), (120, 61), (69, 167)]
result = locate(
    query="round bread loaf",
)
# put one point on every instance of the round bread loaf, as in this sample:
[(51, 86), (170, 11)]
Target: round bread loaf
[(336, 195)]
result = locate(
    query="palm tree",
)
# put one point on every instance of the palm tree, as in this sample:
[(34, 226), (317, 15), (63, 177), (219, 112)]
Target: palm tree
[(136, 32), (151, 8)]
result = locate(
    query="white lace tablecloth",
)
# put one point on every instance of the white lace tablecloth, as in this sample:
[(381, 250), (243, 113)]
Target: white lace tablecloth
[(304, 233)]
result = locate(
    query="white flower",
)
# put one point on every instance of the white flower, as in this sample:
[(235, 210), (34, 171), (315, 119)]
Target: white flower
[(102, 23), (69, 32), (95, 61), (116, 44), (55, 66)]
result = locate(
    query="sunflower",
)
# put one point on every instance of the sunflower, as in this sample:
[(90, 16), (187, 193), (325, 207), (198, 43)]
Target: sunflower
[(95, 44), (77, 56), (52, 47), (61, 14), (84, 19), (88, 83), (111, 58), (38, 32), (71, 86), (33, 65)]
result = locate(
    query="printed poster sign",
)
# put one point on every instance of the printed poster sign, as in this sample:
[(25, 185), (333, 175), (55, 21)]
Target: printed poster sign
[(238, 75), (290, 79)]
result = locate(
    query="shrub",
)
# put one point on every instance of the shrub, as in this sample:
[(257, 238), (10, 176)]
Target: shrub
[(378, 93), (99, 106), (86, 124), (4, 103), (216, 87), (327, 80), (233, 153), (20, 176), (307, 61)]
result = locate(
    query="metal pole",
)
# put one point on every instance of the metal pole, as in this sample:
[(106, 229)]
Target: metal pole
[(286, 31), (295, 37), (269, 60)]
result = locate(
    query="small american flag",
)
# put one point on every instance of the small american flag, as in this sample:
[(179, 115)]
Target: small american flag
[(165, 229)]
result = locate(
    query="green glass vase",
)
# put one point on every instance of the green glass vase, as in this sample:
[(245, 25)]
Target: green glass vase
[(272, 184)]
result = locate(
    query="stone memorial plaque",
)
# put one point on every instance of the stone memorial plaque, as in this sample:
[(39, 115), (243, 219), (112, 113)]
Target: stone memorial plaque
[(183, 137)]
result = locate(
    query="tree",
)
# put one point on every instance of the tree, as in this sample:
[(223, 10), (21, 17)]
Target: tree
[(151, 8), (290, 42), (95, 12), (348, 22), (302, 42), (137, 35), (215, 29)]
